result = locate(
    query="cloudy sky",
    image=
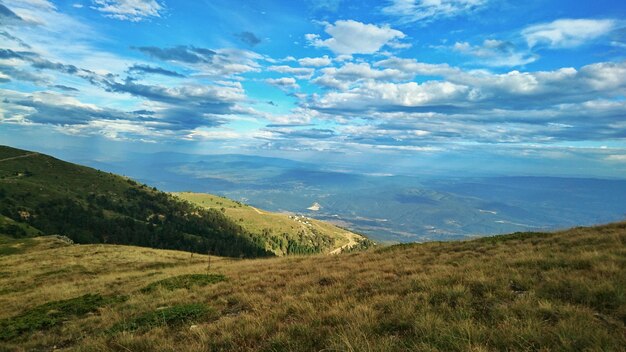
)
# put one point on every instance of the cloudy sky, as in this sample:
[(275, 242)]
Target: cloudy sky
[(523, 87)]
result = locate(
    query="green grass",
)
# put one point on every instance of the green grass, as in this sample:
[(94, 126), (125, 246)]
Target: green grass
[(169, 316), (17, 229), (184, 281), (12, 246), (51, 314)]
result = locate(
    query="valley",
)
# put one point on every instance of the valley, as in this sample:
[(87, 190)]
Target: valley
[(390, 208)]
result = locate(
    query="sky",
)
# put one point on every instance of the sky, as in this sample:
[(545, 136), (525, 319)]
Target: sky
[(482, 86)]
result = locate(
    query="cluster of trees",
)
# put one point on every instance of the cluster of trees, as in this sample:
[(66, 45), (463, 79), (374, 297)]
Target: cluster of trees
[(301, 243), (137, 216)]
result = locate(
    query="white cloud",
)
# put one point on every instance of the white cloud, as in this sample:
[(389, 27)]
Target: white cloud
[(380, 94), (352, 37), (129, 10), (299, 72), (418, 68), (429, 10), (495, 52), (212, 134), (478, 90), (567, 33), (621, 158), (283, 82), (351, 73), (315, 61)]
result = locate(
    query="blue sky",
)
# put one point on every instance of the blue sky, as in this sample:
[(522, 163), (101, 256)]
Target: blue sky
[(532, 87)]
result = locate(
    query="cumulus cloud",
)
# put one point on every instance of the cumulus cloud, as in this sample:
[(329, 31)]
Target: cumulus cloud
[(352, 37), (478, 91), (352, 73), (283, 82), (417, 68), (373, 95), (567, 33), (408, 11), (299, 72), (315, 61), (129, 10), (495, 52)]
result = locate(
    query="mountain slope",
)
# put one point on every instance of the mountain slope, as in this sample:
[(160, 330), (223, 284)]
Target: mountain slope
[(283, 233), (43, 195), (561, 291)]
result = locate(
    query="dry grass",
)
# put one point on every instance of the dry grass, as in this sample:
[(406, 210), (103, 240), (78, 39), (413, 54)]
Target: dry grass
[(563, 291)]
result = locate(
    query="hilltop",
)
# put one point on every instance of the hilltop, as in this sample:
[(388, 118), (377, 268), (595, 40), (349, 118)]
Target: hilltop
[(41, 195), (519, 292), (286, 233)]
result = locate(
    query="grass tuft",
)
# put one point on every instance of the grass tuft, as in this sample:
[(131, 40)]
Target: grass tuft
[(170, 316), (184, 281), (51, 314)]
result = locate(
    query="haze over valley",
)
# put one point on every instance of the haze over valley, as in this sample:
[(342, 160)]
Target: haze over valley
[(388, 207)]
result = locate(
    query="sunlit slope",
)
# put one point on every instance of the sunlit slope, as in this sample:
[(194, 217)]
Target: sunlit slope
[(521, 292), (42, 195), (283, 233)]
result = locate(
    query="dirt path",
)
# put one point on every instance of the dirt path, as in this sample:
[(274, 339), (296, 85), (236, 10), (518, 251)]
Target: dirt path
[(351, 243), (257, 210), (18, 157)]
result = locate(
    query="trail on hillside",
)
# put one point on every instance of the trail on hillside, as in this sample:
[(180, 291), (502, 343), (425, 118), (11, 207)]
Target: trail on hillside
[(351, 243), (19, 157), (257, 210)]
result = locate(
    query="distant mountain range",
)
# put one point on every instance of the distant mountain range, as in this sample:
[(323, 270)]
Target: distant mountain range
[(397, 208)]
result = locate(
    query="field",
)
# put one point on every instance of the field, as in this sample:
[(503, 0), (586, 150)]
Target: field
[(521, 292), (258, 222)]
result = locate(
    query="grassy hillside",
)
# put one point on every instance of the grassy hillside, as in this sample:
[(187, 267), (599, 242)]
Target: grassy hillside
[(522, 292), (41, 195), (283, 233)]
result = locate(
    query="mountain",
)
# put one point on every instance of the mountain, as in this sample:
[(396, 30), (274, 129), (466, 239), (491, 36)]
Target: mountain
[(562, 291), (403, 207), (41, 195)]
